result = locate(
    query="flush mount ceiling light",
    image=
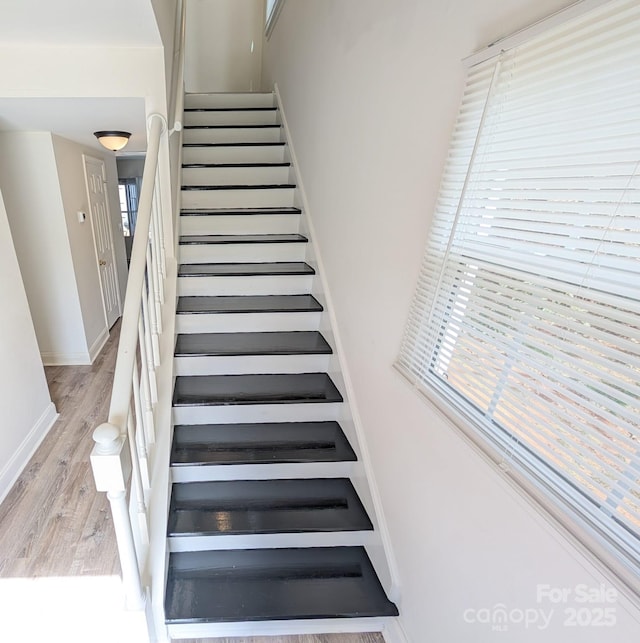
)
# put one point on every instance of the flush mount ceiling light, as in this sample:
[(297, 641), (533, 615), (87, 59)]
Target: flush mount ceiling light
[(113, 140)]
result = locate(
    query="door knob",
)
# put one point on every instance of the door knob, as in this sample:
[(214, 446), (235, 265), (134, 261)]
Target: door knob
[(102, 262)]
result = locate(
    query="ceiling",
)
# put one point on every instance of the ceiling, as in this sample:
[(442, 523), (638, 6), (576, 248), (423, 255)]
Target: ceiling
[(116, 23), (77, 118)]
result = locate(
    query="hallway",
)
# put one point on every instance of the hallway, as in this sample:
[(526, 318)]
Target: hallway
[(53, 522)]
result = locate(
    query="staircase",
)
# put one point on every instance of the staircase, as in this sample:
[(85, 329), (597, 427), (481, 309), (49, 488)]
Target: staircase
[(266, 531)]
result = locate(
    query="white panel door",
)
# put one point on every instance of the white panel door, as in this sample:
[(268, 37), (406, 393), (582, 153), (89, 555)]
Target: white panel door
[(96, 179)]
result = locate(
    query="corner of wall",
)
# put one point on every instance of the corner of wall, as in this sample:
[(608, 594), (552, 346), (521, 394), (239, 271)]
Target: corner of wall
[(394, 632)]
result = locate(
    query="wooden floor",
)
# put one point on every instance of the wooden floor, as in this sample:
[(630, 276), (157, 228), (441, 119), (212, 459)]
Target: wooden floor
[(53, 522)]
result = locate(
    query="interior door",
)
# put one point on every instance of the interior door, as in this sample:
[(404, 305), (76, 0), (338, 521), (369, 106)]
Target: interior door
[(96, 179)]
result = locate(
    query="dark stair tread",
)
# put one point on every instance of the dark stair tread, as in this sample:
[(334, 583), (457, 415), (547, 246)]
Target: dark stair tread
[(252, 343), (236, 144), (265, 507), (273, 584), (245, 269), (230, 109), (235, 126), (260, 443), (216, 390), (200, 239), (271, 186), (224, 304), (219, 165), (205, 212)]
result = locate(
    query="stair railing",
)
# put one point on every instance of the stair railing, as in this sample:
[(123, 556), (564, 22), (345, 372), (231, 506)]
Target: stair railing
[(123, 453), (178, 67), (130, 455)]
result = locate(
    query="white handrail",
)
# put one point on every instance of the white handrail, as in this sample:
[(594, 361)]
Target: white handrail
[(121, 396), (130, 456), (119, 458), (178, 62)]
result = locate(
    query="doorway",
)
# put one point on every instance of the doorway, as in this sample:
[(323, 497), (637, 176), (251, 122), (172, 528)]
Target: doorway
[(96, 180)]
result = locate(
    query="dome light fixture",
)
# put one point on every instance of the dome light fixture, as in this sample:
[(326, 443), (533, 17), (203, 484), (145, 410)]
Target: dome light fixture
[(113, 140)]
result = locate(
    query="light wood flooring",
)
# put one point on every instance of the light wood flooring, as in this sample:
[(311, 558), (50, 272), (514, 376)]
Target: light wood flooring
[(54, 523)]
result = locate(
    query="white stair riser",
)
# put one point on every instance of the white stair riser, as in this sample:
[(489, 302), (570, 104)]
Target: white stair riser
[(238, 365), (255, 198), (234, 154), (260, 541), (242, 252), (240, 224), (232, 117), (278, 628), (233, 413), (287, 471), (264, 285), (235, 100), (246, 322), (233, 135), (236, 175)]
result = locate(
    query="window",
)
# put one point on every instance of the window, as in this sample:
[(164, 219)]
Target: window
[(128, 192), (273, 9), (526, 320)]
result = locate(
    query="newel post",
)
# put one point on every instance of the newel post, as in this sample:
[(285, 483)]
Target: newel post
[(111, 464)]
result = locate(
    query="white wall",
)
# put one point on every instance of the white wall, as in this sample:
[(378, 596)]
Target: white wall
[(29, 183), (371, 91), (130, 167), (102, 72), (218, 56), (27, 410), (165, 12)]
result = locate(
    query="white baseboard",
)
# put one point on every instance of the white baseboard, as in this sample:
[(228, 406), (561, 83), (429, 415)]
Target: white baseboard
[(98, 345), (299, 627), (23, 453), (66, 359), (393, 632), (394, 591), (84, 358)]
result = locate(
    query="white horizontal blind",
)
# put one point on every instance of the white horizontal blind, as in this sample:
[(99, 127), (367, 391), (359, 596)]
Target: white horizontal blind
[(527, 312)]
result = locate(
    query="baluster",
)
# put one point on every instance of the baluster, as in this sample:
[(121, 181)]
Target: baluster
[(149, 350), (158, 280), (140, 432), (111, 471), (138, 487), (151, 309), (145, 393), (163, 256)]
